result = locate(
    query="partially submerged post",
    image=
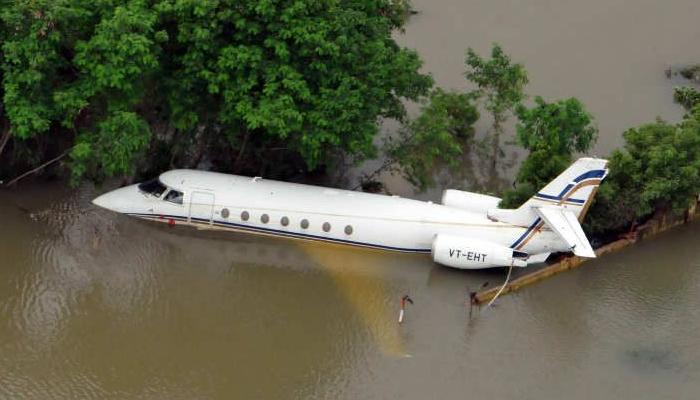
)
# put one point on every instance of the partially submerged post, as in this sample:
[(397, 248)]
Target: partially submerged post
[(404, 299)]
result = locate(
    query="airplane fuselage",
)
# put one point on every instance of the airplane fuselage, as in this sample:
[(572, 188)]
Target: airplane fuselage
[(219, 201)]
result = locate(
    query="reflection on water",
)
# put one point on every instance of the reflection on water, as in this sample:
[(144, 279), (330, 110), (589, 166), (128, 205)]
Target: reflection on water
[(359, 278), (97, 305)]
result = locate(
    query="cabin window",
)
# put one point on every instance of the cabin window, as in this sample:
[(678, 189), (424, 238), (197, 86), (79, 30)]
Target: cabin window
[(245, 215), (304, 223), (326, 227), (152, 187), (174, 196), (265, 218), (224, 212), (348, 229), (284, 221)]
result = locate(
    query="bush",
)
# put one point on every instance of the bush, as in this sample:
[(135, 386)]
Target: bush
[(438, 135), (657, 169), (686, 96), (552, 132)]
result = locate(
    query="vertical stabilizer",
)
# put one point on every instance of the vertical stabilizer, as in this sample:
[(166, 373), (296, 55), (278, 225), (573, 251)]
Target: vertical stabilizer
[(573, 189), (570, 194)]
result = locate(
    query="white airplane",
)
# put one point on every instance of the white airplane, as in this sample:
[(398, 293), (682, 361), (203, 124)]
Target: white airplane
[(466, 231)]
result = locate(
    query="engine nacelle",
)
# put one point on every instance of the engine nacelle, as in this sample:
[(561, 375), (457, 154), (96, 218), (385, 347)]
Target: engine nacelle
[(467, 253), (469, 201)]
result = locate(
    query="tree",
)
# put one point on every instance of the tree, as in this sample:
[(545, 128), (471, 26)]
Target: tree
[(552, 133), (263, 82), (438, 135), (502, 84), (73, 68), (658, 169)]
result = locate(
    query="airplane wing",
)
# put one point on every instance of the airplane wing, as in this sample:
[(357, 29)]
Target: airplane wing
[(566, 225)]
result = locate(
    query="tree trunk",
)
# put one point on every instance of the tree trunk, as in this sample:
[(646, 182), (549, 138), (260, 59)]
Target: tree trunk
[(237, 163), (5, 137), (496, 142), (201, 147)]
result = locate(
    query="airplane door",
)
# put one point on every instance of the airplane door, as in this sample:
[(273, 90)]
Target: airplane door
[(201, 207)]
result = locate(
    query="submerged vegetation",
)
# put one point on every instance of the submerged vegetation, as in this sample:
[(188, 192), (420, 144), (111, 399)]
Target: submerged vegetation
[(657, 169), (501, 84), (439, 134), (686, 96), (551, 133)]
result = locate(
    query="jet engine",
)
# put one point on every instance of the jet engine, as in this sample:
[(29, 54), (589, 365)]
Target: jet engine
[(469, 201), (467, 253)]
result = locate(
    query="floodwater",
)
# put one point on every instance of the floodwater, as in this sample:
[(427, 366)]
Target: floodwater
[(610, 54), (95, 305)]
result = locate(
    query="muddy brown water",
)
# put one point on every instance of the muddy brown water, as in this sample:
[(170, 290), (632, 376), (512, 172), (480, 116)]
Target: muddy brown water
[(95, 305), (610, 54)]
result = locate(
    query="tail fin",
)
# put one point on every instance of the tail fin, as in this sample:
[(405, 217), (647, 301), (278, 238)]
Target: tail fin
[(560, 205), (573, 189)]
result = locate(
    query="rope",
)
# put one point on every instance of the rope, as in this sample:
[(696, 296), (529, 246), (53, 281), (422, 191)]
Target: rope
[(510, 269)]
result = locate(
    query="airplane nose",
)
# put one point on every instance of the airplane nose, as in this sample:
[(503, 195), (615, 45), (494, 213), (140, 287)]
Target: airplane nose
[(115, 200), (106, 200)]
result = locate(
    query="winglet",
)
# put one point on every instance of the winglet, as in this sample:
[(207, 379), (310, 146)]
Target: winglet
[(564, 222)]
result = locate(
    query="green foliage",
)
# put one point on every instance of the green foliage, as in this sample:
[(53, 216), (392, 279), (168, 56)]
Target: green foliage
[(686, 96), (564, 126), (658, 168), (552, 133), (114, 144), (498, 79), (311, 77), (439, 135), (501, 83)]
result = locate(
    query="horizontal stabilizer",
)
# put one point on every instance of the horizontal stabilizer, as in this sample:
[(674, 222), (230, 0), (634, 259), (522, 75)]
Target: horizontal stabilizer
[(564, 222), (538, 258)]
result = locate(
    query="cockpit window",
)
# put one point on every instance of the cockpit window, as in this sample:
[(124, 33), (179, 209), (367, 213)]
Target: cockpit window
[(174, 196), (153, 187)]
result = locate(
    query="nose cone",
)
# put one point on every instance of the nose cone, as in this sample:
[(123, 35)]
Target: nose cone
[(117, 200)]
